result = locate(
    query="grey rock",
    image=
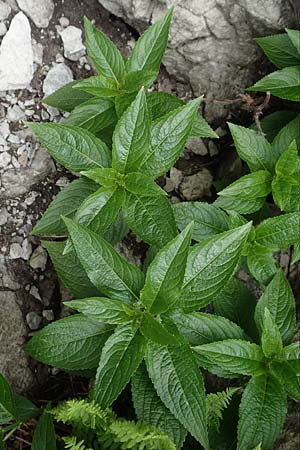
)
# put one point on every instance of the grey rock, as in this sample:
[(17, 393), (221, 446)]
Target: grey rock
[(3, 29), (196, 186), (72, 40), (197, 146), (16, 46), (18, 251), (64, 22), (7, 278), (15, 113), (13, 362), (211, 44), (35, 293), (38, 258), (176, 177), (57, 77), (48, 314), (4, 214), (5, 10), (39, 11), (33, 320), (4, 129), (5, 159)]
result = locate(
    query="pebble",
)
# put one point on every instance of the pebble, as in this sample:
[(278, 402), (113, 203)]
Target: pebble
[(18, 251), (197, 146), (35, 293), (3, 29), (176, 177), (33, 320), (4, 215), (5, 10), (39, 11), (38, 258), (64, 22), (57, 77), (5, 159), (196, 186), (72, 41), (15, 113), (48, 314), (4, 130)]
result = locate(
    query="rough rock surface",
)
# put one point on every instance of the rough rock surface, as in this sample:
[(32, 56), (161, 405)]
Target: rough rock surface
[(16, 55), (211, 41), (39, 11), (57, 77), (72, 40)]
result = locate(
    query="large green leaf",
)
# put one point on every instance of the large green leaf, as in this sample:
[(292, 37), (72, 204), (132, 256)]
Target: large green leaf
[(279, 299), (155, 331), (103, 309), (121, 356), (134, 81), (150, 409), (65, 98), (287, 368), (286, 164), (25, 409), (168, 138), (271, 341), (44, 437), (179, 384), (7, 402), (262, 413), (104, 54), (203, 277), (99, 210), (254, 149), (93, 115), (73, 147), (69, 270), (284, 83), (231, 356), (150, 47), (65, 203), (131, 139), (147, 210), (294, 36), (74, 343), (286, 136), (202, 328), (280, 232), (261, 263), (165, 274), (240, 205), (280, 50), (106, 269), (208, 219), (98, 86)]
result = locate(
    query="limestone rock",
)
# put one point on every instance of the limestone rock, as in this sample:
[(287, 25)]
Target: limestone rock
[(38, 258), (72, 40), (211, 44), (195, 186), (39, 11), (16, 55), (5, 10), (57, 77), (13, 361), (3, 29)]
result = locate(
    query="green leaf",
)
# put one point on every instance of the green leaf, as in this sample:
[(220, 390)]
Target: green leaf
[(74, 343), (288, 369), (261, 263), (121, 356), (262, 413), (165, 274), (254, 149), (203, 278), (73, 147), (154, 331), (202, 129), (134, 81), (280, 232), (282, 191), (103, 309), (280, 50), (25, 409), (65, 98), (69, 270), (294, 36), (208, 219), (147, 210), (93, 115), (99, 210), (44, 435), (105, 56), (271, 341), (107, 177), (65, 203), (284, 83), (279, 299), (123, 101), (131, 139), (230, 357), (150, 409), (7, 402), (202, 328), (2, 442), (286, 164), (168, 138), (98, 86), (286, 136), (179, 384), (106, 269), (248, 193), (117, 231), (150, 47)]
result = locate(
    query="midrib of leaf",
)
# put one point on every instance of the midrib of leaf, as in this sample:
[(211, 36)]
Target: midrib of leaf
[(131, 139), (104, 57), (80, 338), (97, 114), (152, 47), (80, 152), (262, 405)]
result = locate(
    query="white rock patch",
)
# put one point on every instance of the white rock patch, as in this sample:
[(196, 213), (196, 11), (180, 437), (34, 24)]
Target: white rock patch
[(72, 40), (56, 78), (39, 11)]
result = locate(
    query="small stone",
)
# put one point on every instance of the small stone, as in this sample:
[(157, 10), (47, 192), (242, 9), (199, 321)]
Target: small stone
[(15, 251), (56, 78), (213, 149), (48, 314), (72, 40), (26, 249), (33, 320), (4, 130), (4, 215), (3, 29), (35, 293), (38, 51), (169, 186), (13, 139), (196, 186), (197, 146), (176, 177), (38, 258), (30, 199), (5, 159), (39, 11), (5, 10), (15, 113), (64, 22)]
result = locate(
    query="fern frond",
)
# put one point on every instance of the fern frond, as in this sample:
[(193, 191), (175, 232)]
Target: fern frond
[(71, 443), (216, 403)]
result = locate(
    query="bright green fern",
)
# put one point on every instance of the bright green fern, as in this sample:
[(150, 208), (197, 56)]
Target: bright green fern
[(71, 443), (216, 403)]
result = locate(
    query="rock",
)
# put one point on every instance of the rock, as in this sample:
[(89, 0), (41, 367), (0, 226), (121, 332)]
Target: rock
[(15, 113), (18, 251), (5, 159), (39, 11), (5, 10), (4, 130), (196, 186), (64, 22), (72, 40), (176, 177), (57, 77), (35, 293), (16, 46), (3, 29), (212, 44), (4, 215), (13, 362), (33, 320), (48, 314), (38, 258), (197, 146)]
